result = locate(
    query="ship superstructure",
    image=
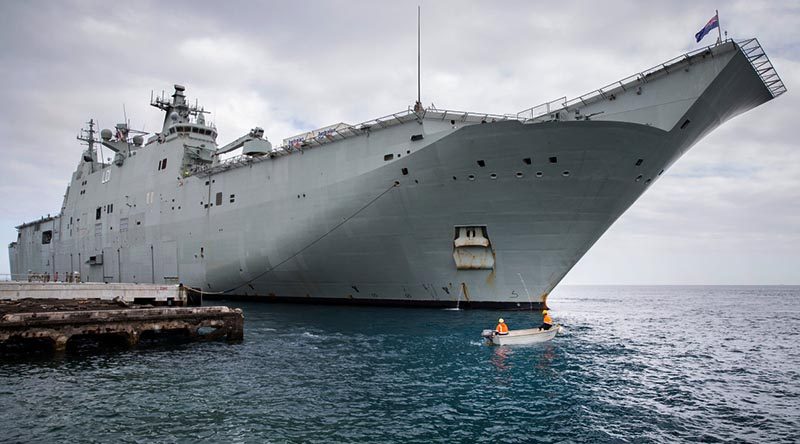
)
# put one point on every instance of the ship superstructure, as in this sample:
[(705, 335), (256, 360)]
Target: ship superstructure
[(421, 207)]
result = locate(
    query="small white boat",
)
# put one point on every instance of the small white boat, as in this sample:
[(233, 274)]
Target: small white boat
[(517, 337)]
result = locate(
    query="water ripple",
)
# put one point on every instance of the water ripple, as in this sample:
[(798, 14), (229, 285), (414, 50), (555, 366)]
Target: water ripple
[(650, 364)]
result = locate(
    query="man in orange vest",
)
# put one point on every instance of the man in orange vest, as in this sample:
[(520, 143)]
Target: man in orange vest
[(502, 328), (547, 321)]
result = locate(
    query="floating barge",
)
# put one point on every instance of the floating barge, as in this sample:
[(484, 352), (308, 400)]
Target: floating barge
[(65, 318)]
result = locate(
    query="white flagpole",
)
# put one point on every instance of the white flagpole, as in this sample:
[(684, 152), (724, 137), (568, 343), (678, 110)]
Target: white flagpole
[(719, 27)]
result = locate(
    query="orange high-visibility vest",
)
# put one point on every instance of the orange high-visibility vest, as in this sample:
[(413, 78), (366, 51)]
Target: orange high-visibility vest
[(547, 319), (502, 328)]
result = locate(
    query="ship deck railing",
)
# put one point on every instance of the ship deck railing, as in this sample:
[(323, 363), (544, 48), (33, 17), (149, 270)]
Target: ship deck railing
[(750, 47)]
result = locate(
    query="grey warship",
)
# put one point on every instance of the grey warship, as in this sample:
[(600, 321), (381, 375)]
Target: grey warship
[(426, 207)]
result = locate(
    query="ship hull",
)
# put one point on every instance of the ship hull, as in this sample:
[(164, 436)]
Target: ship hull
[(398, 249), (376, 219)]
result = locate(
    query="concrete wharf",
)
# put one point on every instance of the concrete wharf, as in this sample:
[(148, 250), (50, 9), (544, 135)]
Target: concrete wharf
[(152, 294), (72, 314)]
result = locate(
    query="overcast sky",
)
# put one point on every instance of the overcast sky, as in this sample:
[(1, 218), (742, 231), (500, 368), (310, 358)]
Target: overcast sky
[(728, 212)]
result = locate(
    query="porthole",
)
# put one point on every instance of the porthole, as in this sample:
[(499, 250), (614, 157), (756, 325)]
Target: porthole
[(639, 162), (404, 171), (454, 178), (565, 173), (493, 176), (519, 175), (638, 178), (648, 181), (471, 177), (539, 174)]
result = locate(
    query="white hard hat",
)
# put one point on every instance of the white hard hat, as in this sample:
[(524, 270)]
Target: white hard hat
[(500, 320)]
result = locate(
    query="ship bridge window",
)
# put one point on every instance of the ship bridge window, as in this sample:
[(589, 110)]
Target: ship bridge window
[(194, 130), (388, 157), (172, 130), (47, 236)]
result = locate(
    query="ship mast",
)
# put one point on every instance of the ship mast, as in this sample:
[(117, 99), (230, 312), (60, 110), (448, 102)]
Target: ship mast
[(177, 110), (418, 105), (88, 135)]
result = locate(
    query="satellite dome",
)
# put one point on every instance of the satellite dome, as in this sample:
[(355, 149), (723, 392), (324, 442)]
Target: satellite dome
[(138, 140), (173, 116), (106, 134)]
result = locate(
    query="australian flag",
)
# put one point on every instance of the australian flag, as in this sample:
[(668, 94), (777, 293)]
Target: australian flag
[(713, 23)]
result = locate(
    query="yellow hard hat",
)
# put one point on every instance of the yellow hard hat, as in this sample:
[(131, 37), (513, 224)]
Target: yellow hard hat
[(500, 320), (544, 312)]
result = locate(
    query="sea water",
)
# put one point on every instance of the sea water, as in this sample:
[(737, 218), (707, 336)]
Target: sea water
[(634, 364)]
